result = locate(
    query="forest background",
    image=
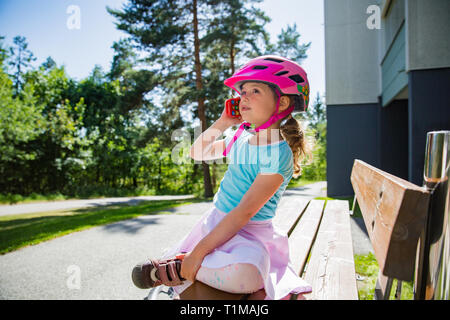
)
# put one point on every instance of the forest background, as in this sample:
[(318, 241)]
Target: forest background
[(116, 132)]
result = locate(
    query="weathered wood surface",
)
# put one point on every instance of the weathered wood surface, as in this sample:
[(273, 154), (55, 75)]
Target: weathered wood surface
[(394, 212), (302, 237), (288, 214), (331, 269)]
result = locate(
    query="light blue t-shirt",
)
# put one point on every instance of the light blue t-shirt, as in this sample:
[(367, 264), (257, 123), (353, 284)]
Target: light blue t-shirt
[(245, 162)]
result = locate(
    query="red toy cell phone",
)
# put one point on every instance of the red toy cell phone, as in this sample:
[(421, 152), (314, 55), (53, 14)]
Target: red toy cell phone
[(232, 107)]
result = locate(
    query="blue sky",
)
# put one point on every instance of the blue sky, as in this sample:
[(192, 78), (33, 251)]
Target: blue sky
[(44, 24)]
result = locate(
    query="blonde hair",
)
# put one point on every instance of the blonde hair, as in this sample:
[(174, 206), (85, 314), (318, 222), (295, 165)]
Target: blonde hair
[(294, 135)]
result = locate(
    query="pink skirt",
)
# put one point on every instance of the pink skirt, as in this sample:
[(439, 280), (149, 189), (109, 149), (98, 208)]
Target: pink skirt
[(257, 243)]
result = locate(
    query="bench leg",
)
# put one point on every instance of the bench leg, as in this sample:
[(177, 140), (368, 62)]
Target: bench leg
[(398, 292), (383, 287)]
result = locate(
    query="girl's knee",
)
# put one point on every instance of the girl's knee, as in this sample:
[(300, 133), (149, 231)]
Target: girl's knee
[(246, 270), (246, 278), (234, 278)]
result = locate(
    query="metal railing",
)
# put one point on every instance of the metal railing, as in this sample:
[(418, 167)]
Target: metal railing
[(433, 279)]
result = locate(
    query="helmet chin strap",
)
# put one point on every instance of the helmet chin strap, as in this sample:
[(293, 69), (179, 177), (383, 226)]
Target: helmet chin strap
[(251, 127)]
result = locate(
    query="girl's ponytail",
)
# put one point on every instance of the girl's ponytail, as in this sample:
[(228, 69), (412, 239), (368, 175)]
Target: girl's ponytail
[(294, 135)]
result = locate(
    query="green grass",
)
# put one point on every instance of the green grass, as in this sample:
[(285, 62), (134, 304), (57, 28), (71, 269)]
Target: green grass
[(99, 192), (17, 231), (91, 192), (294, 183), (34, 197), (367, 266)]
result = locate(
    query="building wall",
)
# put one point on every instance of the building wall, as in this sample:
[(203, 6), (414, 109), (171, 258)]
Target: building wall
[(393, 138), (375, 135), (393, 18), (353, 84), (352, 133), (428, 27), (394, 78), (412, 48), (351, 74), (428, 110)]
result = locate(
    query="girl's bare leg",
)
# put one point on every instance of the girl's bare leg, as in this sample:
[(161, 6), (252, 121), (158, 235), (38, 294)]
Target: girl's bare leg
[(234, 278)]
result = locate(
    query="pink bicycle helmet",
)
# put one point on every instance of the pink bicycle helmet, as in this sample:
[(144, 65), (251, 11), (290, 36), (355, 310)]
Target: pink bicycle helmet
[(284, 75)]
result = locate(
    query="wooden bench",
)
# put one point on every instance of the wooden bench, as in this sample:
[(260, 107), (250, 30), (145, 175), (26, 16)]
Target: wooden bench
[(321, 250), (406, 225), (395, 213), (321, 233)]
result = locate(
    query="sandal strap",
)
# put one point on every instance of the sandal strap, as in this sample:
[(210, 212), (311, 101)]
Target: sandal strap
[(163, 273), (174, 273), (169, 268)]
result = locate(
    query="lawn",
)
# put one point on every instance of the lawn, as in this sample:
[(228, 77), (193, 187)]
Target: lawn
[(17, 231), (300, 183), (367, 266)]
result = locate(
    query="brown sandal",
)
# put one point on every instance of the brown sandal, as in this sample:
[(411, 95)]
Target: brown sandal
[(153, 273)]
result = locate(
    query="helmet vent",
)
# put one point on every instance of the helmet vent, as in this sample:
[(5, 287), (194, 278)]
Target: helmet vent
[(274, 60), (259, 67), (297, 78), (281, 73)]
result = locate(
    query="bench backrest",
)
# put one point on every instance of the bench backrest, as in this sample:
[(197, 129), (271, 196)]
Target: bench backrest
[(394, 212)]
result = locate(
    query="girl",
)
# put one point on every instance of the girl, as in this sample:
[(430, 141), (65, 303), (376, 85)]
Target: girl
[(234, 247)]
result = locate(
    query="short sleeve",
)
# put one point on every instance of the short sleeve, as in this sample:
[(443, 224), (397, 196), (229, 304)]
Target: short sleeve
[(277, 159)]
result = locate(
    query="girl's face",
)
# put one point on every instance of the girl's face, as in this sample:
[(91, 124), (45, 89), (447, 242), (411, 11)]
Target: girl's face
[(257, 102)]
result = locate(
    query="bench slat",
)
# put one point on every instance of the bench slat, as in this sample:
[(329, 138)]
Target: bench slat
[(301, 238), (331, 269), (288, 213), (394, 212)]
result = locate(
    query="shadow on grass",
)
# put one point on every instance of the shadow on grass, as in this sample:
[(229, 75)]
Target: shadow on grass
[(19, 231)]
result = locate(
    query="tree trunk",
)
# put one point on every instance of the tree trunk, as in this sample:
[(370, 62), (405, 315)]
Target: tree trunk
[(201, 99), (158, 184), (213, 178), (232, 59), (232, 55), (193, 175)]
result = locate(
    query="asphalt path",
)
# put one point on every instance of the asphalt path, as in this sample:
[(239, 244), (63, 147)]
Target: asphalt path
[(75, 204), (97, 263)]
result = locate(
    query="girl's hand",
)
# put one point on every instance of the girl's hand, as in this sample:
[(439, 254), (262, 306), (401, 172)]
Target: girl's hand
[(229, 121), (190, 265)]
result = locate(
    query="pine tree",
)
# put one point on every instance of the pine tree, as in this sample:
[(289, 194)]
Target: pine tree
[(180, 38), (288, 44), (21, 60), (191, 47), (169, 32)]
